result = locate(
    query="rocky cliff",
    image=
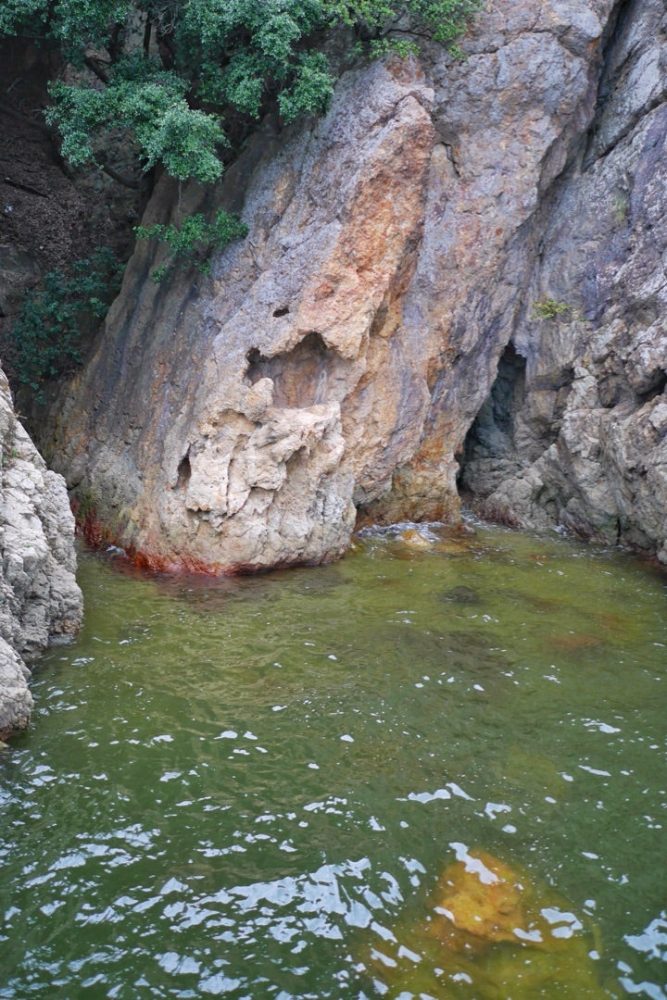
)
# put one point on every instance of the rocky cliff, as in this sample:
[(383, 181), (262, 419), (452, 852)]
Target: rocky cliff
[(39, 598), (575, 430), (453, 282)]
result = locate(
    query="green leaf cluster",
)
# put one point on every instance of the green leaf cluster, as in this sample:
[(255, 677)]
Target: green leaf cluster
[(74, 24), (183, 80), (48, 335), (150, 104), (183, 77), (550, 309), (194, 240)]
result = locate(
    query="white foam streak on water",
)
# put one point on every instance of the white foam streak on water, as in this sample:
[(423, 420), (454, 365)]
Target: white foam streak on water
[(474, 865)]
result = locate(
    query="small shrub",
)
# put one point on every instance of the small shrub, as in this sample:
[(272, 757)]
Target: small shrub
[(620, 204), (193, 242), (550, 309), (7, 457), (50, 330), (401, 47)]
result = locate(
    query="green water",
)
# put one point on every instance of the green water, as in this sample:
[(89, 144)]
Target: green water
[(243, 788)]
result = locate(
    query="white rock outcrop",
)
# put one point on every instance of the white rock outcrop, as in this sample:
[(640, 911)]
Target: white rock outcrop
[(40, 600)]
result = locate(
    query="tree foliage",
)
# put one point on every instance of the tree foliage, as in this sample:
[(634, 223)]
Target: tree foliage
[(194, 240), (183, 81), (48, 336), (180, 75)]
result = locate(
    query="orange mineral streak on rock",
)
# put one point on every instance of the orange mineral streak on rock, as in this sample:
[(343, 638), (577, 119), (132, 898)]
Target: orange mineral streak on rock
[(229, 432), (379, 230)]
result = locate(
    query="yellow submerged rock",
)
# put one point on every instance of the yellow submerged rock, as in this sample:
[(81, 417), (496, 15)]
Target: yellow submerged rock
[(479, 901), (489, 934), (414, 539)]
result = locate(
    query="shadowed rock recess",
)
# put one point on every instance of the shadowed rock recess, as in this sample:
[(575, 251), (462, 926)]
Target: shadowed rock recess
[(39, 598), (454, 279)]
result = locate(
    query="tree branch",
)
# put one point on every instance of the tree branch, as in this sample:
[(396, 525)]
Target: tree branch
[(147, 36), (406, 31), (115, 44), (127, 182), (94, 66), (24, 187)]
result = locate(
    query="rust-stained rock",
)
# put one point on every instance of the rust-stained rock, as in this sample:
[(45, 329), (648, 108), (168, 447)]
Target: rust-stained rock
[(218, 432), (414, 539)]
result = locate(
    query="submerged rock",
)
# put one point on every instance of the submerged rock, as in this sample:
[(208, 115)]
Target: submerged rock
[(458, 265), (575, 642), (490, 934), (481, 901), (461, 595), (39, 596), (414, 539)]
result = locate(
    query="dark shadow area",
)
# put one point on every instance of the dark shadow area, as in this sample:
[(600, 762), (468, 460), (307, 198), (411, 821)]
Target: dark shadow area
[(489, 444), (184, 471), (303, 376), (658, 386)]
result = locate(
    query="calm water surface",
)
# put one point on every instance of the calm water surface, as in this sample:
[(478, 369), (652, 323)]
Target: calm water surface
[(250, 788)]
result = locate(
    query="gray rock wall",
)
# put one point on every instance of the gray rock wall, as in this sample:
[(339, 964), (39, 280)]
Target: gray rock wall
[(39, 598), (585, 443), (400, 254)]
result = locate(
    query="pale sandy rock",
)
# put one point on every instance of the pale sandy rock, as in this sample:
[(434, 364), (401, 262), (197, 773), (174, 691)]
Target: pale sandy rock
[(383, 305), (217, 436), (15, 697), (39, 598)]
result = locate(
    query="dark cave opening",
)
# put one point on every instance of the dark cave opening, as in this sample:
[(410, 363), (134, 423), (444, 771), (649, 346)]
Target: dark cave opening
[(489, 445), (656, 388), (184, 471)]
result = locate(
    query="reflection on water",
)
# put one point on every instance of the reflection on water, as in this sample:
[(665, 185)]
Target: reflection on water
[(434, 769)]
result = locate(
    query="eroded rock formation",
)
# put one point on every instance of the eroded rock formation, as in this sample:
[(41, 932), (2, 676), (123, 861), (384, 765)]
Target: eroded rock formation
[(403, 252), (39, 597)]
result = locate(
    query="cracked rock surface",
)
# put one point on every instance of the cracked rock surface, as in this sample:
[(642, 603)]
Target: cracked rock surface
[(384, 335), (39, 597), (585, 443)]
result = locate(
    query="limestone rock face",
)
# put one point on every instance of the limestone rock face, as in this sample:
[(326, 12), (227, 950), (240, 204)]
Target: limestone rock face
[(214, 425), (332, 368), (39, 598)]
